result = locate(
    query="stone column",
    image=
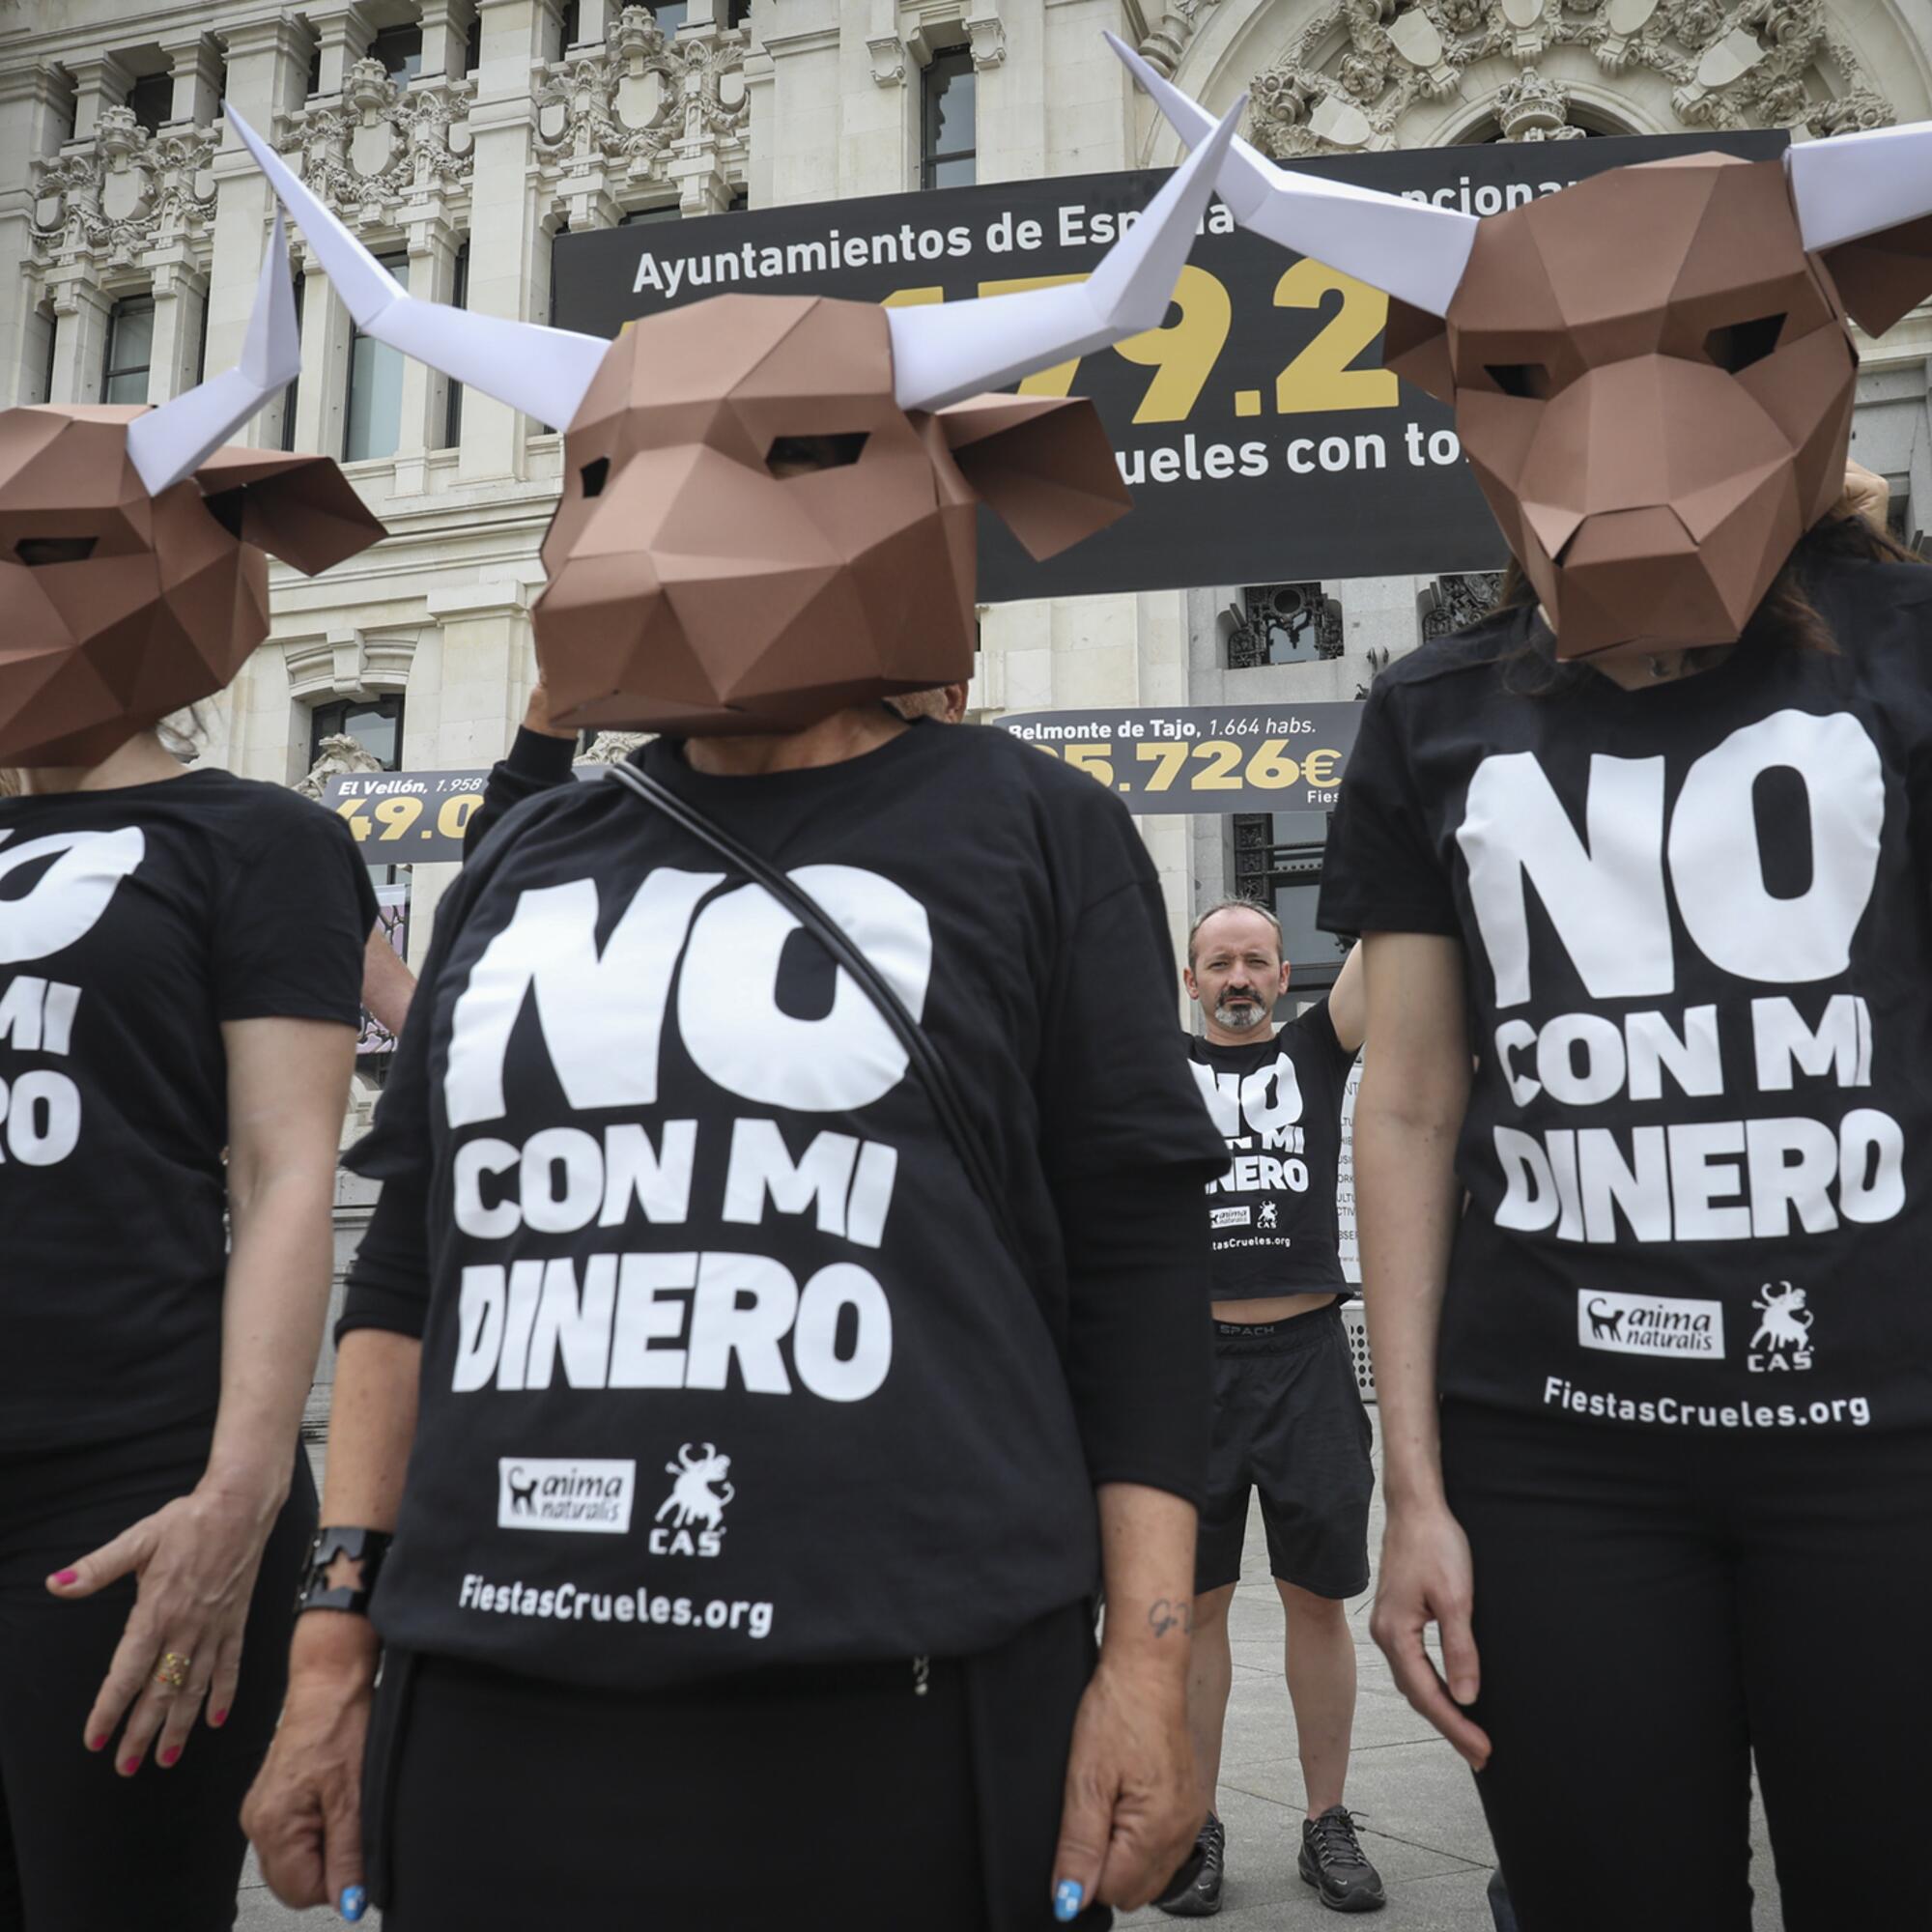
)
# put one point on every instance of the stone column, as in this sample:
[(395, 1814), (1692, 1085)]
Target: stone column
[(345, 32), (196, 66), (503, 249), (432, 244), (81, 313), (325, 366), (593, 23), (445, 23), (800, 113), (877, 134), (98, 81), (32, 117), (268, 76), (181, 297)]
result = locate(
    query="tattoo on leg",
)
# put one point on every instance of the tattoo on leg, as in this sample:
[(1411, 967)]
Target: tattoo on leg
[(1168, 1614)]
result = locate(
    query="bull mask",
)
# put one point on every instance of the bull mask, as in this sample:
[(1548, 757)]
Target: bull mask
[(133, 545), (1652, 372), (693, 587)]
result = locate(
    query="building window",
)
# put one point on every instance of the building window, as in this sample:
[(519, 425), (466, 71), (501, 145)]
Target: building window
[(459, 297), (737, 13), (373, 411), (642, 217), (376, 724), (947, 130), (473, 45), (1278, 860), (671, 15), (131, 344), (569, 26), (400, 50), (1283, 623), (151, 100)]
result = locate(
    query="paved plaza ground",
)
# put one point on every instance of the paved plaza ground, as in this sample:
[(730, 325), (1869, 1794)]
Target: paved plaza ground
[(1424, 1828)]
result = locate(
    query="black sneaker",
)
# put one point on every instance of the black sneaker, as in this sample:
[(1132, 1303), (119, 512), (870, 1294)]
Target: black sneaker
[(1203, 1898), (1332, 1863)]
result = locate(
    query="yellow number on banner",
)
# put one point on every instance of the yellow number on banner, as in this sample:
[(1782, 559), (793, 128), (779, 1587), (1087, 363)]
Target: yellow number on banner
[(352, 809), (1271, 769), (1092, 760), (453, 813), (1059, 379), (1170, 757), (397, 814), (1319, 378), (1184, 352), (1221, 760)]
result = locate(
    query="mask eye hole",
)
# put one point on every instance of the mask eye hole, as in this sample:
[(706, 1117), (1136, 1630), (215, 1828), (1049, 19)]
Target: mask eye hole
[(1522, 379), (1739, 344), (800, 455), (595, 475), (37, 550)]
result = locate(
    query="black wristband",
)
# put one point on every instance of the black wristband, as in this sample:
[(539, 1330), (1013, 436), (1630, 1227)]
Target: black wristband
[(343, 1565)]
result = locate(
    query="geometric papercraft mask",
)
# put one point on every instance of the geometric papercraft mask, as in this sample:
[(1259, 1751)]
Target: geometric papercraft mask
[(133, 566), (695, 586), (1652, 374)]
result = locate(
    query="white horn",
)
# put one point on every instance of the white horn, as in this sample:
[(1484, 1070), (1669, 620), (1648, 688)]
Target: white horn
[(944, 353), (1855, 184), (168, 442), (1408, 249), (544, 372)]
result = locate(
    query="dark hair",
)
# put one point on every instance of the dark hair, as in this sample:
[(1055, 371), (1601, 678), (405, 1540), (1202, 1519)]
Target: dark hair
[(1786, 618)]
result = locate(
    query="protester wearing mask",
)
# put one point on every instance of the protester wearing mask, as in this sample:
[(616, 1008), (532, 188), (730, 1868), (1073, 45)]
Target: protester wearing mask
[(180, 957), (769, 1421)]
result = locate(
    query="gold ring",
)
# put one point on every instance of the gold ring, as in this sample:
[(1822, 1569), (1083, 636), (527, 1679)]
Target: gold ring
[(173, 1671)]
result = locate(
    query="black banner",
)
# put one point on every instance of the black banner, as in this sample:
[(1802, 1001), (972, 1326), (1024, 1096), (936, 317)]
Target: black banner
[(407, 819), (1204, 757), (1263, 439)]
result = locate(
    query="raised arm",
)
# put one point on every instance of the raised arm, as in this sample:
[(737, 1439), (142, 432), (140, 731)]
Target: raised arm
[(1415, 1088), (1347, 1008)]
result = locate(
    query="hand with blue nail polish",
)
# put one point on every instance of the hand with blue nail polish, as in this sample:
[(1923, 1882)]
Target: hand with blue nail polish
[(1068, 1896), (353, 1903)]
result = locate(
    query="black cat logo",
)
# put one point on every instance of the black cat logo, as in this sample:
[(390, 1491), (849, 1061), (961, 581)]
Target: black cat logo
[(523, 1496), (1605, 1324)]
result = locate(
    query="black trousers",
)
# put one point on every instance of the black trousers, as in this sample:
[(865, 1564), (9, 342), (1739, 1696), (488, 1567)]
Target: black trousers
[(1654, 1612), (81, 1847), (833, 1795)]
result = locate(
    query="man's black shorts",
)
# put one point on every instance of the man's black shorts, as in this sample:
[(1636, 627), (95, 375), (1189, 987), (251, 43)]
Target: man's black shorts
[(1289, 1421)]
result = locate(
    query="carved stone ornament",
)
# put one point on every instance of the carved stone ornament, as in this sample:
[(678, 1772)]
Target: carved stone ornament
[(1163, 45), (384, 147), (113, 199), (1357, 67), (646, 109), (335, 756), (612, 747)]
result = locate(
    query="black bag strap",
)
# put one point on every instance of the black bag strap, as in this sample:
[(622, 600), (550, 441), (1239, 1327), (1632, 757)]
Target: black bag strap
[(920, 1052)]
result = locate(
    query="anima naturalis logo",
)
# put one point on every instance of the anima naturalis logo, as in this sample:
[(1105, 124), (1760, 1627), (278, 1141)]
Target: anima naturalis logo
[(1650, 1325), (699, 1496), (564, 1492)]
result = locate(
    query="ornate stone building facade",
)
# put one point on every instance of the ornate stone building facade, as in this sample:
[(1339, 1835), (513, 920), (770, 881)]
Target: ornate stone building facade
[(461, 137)]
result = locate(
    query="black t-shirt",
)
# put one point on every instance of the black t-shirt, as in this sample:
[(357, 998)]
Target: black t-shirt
[(1272, 1226), (1700, 946), (724, 1362), (132, 923)]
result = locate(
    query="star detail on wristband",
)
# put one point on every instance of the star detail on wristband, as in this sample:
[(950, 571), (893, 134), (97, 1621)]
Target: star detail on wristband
[(344, 1571)]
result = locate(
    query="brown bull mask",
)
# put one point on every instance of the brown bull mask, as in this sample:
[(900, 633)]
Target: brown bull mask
[(695, 584), (1652, 372), (133, 563)]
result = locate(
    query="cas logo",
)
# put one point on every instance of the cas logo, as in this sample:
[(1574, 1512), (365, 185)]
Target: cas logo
[(564, 1492), (1782, 1341), (697, 1497)]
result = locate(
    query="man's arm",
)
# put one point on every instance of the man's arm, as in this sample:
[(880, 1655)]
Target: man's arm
[(387, 983), (1347, 1008)]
